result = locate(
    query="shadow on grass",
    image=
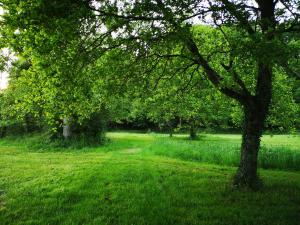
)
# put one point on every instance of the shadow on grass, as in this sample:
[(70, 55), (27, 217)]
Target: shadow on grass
[(121, 191)]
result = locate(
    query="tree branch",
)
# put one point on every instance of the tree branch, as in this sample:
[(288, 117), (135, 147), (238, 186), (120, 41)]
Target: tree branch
[(232, 8), (236, 77)]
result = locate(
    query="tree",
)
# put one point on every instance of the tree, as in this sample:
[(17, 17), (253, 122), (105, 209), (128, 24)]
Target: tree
[(55, 81), (260, 41), (186, 100)]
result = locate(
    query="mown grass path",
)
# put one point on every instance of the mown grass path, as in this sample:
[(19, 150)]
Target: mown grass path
[(134, 179)]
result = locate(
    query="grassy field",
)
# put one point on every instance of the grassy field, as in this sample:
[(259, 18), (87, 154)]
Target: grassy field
[(147, 179)]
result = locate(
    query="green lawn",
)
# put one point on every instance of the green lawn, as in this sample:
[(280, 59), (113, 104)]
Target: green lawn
[(147, 179)]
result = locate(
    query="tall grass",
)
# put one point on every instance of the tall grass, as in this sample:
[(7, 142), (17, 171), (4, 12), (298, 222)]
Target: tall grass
[(279, 158), (226, 151)]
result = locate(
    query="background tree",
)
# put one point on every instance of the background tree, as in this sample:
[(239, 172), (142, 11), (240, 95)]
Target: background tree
[(49, 39)]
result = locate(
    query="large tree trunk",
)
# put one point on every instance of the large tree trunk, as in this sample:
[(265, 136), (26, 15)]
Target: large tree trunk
[(252, 132)]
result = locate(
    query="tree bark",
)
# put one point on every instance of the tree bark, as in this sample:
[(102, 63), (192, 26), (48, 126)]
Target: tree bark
[(252, 132)]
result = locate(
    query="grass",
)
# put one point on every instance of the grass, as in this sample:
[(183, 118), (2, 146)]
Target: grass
[(277, 152), (146, 179)]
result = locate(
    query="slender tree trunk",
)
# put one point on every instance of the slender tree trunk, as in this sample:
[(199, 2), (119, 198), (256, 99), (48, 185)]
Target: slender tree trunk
[(67, 133), (193, 130), (171, 130), (3, 131), (29, 126), (26, 124)]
